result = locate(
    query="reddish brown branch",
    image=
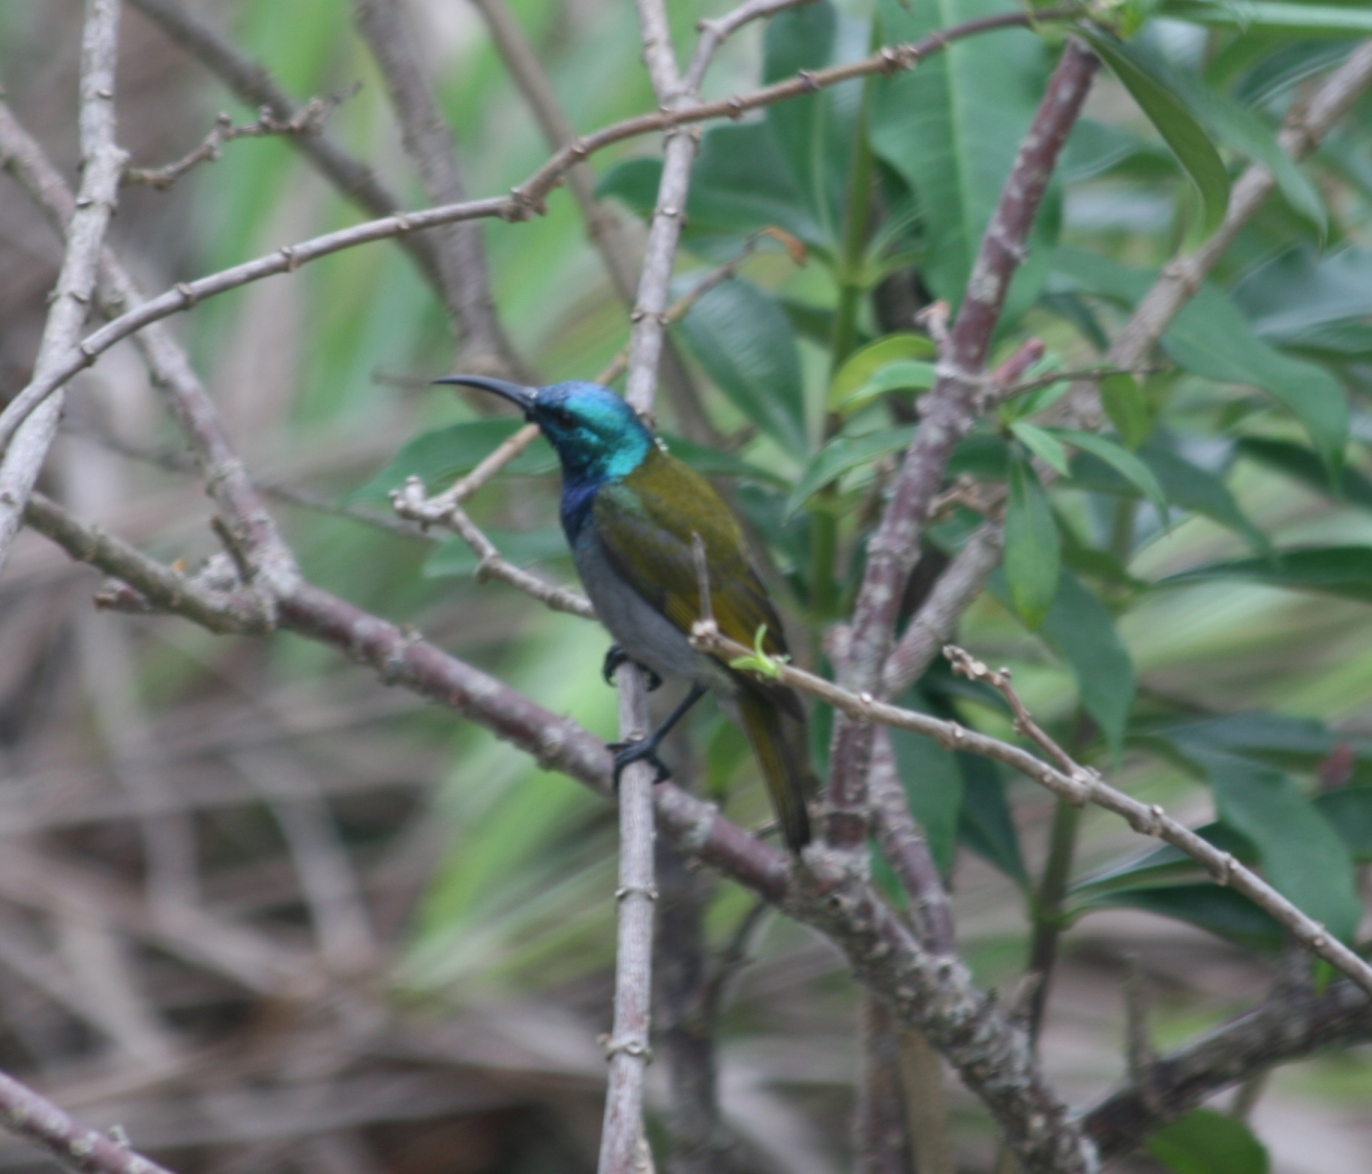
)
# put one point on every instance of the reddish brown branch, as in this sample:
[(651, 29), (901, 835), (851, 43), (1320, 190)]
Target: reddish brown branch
[(946, 414)]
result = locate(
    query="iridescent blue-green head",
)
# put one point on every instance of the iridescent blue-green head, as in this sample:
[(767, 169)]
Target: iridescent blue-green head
[(598, 436)]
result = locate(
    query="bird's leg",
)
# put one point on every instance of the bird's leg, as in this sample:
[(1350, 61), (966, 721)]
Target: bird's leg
[(616, 656), (645, 749)]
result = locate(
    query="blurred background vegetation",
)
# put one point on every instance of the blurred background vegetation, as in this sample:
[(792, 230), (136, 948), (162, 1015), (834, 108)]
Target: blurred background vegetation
[(452, 904)]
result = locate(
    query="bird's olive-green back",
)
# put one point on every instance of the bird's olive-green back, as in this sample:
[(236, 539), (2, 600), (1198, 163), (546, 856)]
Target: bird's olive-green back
[(646, 520)]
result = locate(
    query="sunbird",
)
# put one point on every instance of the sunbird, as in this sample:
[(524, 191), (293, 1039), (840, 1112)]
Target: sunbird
[(630, 511)]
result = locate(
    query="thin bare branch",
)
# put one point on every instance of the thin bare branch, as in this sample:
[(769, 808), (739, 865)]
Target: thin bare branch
[(428, 142), (410, 502), (254, 85), (904, 844), (520, 204), (308, 120), (75, 1146), (713, 33), (1071, 782), (102, 163), (1285, 1028), (947, 412)]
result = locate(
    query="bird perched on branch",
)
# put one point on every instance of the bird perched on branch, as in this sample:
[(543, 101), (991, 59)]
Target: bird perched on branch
[(631, 512)]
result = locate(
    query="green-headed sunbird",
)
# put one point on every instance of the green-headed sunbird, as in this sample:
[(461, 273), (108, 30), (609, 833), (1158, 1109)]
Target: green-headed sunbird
[(630, 511)]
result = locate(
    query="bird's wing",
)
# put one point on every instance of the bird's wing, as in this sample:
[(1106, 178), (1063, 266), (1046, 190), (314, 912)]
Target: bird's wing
[(645, 524)]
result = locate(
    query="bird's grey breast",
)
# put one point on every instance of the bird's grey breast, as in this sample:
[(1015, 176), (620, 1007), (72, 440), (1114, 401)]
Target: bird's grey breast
[(637, 626)]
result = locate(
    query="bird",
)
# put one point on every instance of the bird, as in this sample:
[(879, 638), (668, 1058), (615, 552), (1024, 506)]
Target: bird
[(630, 512)]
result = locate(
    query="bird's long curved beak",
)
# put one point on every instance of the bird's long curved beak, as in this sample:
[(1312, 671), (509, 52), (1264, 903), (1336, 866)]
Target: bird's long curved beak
[(521, 397)]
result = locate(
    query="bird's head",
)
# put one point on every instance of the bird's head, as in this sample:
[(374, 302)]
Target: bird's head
[(595, 432)]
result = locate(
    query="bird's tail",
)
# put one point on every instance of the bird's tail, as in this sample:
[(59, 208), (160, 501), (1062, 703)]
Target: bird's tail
[(778, 746)]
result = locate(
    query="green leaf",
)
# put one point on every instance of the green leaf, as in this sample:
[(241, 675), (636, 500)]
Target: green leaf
[(814, 133), (1043, 444), (1209, 1142), (1235, 125), (933, 788), (1294, 19), (1194, 488), (1082, 631), (853, 379), (843, 454), (1291, 743), (1165, 866), (1180, 131), (1127, 408), (1211, 337), (1033, 550), (1345, 571), (521, 547), (1207, 906), (744, 341), (1303, 465), (1299, 296), (985, 824), (951, 129), (1302, 856), (1125, 463), (442, 454)]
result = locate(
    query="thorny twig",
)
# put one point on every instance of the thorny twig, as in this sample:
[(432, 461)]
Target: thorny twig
[(308, 120)]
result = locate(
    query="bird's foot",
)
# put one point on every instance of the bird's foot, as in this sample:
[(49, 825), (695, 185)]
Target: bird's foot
[(639, 750), (615, 657)]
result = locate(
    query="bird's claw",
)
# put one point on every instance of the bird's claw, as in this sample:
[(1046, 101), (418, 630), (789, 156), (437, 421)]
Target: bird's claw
[(615, 657), (639, 750)]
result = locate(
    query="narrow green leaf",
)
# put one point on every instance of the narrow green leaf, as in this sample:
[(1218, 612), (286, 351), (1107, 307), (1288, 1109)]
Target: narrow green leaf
[(1042, 444), (1211, 338), (1302, 856), (951, 129), (985, 824), (862, 366), (1209, 1142), (1194, 488), (814, 133), (933, 788), (1293, 19), (1207, 906), (1082, 631), (1236, 126), (1345, 571), (1121, 460), (1303, 465), (1033, 550), (745, 342), (1181, 132), (843, 454), (1127, 408)]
